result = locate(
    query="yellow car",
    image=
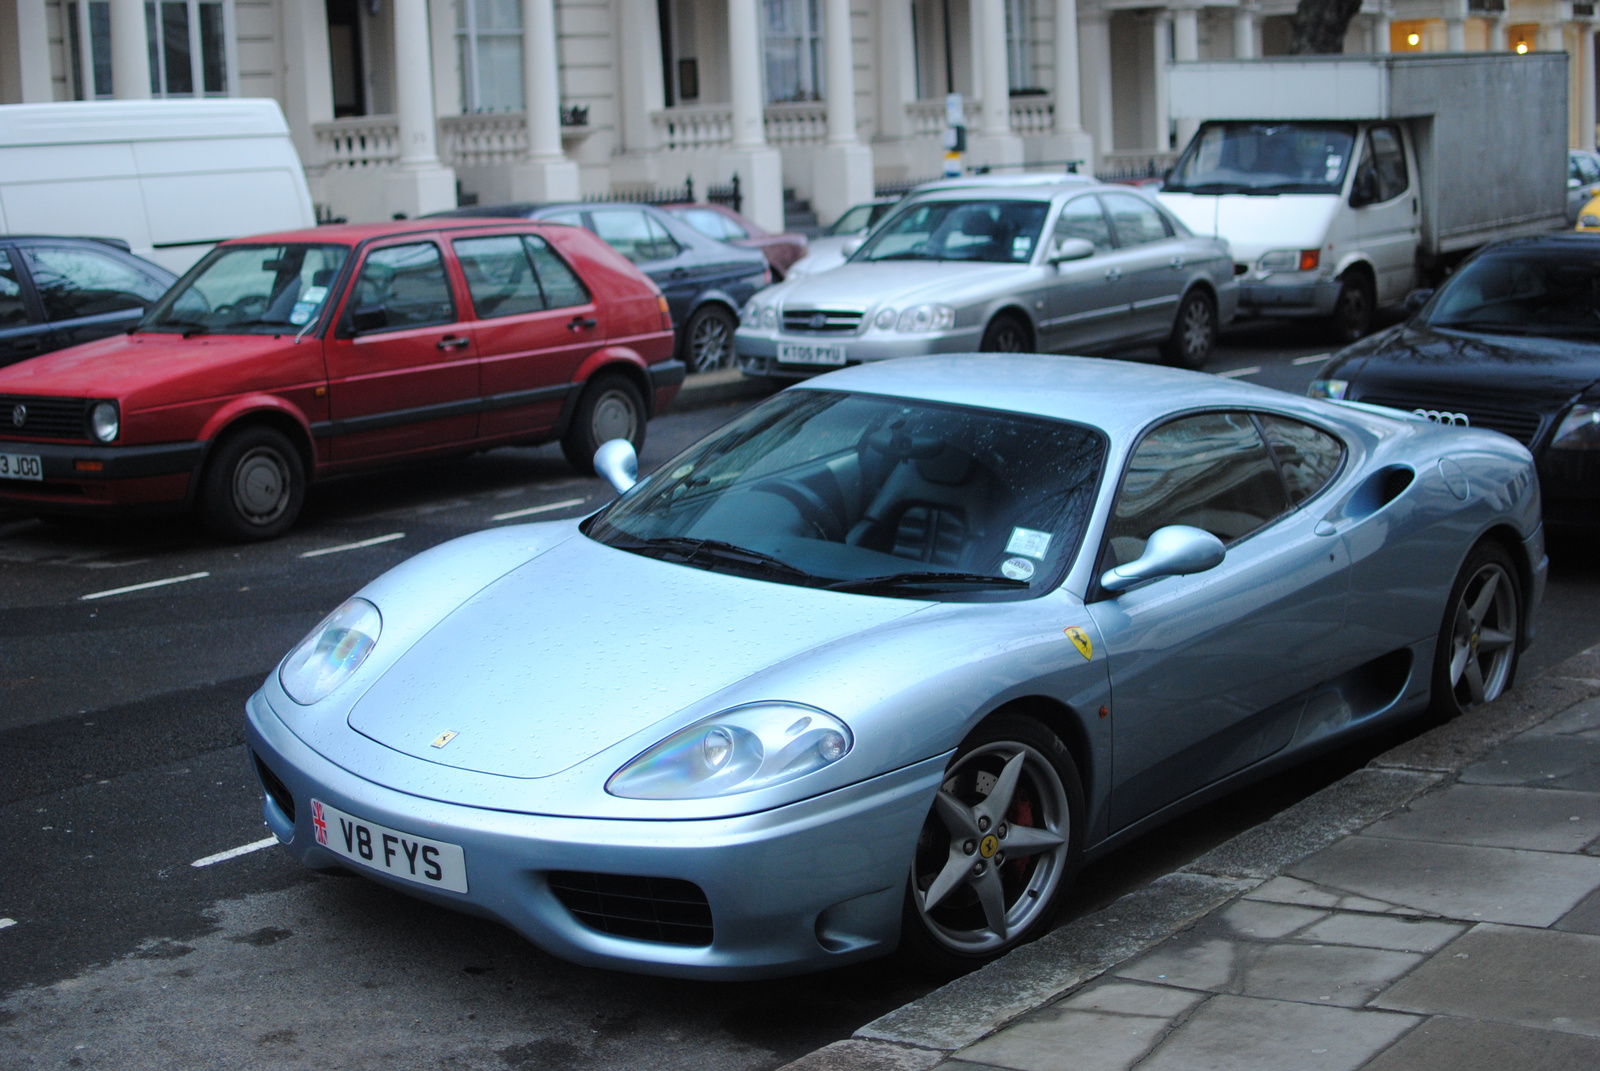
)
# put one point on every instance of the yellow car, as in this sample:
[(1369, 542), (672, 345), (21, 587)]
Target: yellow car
[(1589, 216)]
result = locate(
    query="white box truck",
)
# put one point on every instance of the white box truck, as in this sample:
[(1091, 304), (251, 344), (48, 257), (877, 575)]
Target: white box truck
[(169, 177), (1343, 182)]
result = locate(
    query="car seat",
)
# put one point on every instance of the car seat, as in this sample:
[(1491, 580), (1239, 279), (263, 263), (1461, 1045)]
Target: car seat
[(932, 508)]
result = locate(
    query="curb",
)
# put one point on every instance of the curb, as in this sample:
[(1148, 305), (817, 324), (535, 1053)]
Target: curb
[(928, 1030), (706, 389)]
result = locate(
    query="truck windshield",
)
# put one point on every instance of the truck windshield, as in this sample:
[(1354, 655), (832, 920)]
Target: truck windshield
[(1524, 292), (250, 290), (1265, 158), (1003, 232)]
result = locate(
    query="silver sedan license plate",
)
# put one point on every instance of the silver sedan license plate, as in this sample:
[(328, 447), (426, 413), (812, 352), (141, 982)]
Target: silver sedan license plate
[(433, 863), (796, 353), (20, 467)]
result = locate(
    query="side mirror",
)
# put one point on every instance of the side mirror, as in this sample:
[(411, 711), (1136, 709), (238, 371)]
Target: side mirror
[(1416, 299), (850, 247), (369, 318), (1176, 550), (1071, 249), (617, 462), (1573, 183)]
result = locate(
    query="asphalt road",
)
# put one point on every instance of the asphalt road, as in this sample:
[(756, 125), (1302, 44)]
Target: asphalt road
[(121, 765)]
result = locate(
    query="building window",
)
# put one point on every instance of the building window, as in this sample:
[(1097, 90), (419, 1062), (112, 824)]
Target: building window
[(793, 30), (188, 48), (489, 42), (1019, 45)]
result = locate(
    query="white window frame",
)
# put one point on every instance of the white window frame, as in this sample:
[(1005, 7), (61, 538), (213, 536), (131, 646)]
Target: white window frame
[(84, 53), (808, 16), (468, 34)]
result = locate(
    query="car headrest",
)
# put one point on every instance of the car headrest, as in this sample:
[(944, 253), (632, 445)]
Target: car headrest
[(898, 443), (951, 466)]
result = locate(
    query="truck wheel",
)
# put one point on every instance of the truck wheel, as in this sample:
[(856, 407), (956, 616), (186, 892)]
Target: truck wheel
[(1352, 315), (610, 408), (253, 486), (1194, 332)]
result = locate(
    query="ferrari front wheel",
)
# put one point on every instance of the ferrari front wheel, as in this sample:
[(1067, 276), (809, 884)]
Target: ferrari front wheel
[(1480, 637), (998, 848)]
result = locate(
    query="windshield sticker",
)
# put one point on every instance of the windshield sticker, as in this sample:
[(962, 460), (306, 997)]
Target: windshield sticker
[(314, 295), (1029, 541), (1021, 246), (1017, 568), (301, 312), (1334, 163), (1080, 640)]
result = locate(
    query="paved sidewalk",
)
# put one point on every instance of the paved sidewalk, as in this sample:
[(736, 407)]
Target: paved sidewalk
[(1439, 909)]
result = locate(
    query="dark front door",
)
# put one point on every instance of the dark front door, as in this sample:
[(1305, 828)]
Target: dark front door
[(23, 332)]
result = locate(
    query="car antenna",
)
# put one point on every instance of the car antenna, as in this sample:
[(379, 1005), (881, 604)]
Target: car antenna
[(302, 332)]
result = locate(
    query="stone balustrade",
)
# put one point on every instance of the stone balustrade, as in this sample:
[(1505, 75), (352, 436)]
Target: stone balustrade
[(1032, 115), (360, 142), (802, 123), (701, 126), (484, 139)]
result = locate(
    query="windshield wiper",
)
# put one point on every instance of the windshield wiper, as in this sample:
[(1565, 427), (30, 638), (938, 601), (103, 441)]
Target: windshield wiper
[(186, 328), (899, 581), (714, 550), (1491, 327)]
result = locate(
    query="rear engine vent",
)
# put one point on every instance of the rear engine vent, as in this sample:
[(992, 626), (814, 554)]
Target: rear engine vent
[(274, 787), (43, 418), (665, 910)]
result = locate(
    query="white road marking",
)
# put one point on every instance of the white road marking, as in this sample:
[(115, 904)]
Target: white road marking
[(7, 922), (1239, 373), (374, 541), (531, 510), (1313, 359), (147, 585), (234, 853)]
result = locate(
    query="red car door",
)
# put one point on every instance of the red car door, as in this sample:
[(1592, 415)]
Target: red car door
[(535, 323), (402, 368)]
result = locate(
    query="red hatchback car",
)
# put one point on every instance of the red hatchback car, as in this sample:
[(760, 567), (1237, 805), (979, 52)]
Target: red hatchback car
[(286, 357)]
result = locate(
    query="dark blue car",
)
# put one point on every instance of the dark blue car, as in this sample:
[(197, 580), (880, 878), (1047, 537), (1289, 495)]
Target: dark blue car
[(706, 282), (59, 292)]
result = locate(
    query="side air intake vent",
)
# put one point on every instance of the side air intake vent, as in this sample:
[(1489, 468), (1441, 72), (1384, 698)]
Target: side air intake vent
[(665, 910)]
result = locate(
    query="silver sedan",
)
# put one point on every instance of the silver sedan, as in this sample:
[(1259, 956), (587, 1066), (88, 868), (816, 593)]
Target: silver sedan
[(1058, 267)]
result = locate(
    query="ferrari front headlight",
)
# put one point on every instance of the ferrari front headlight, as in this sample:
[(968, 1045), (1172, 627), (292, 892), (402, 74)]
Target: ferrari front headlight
[(739, 750), (331, 652), (1579, 430)]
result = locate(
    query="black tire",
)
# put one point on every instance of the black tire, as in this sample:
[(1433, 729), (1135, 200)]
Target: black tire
[(708, 339), (1352, 314), (955, 935), (611, 407), (253, 486), (1194, 332), (1006, 333), (1484, 633)]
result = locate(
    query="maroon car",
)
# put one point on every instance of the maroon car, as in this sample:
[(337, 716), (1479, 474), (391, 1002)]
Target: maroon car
[(726, 225)]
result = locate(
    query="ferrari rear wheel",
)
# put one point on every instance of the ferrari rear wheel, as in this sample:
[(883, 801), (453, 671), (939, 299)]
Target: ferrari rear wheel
[(1479, 639), (998, 848)]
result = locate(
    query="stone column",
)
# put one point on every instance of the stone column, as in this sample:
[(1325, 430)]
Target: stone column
[(1551, 38), (1094, 34), (1497, 34), (1161, 45), (420, 183), (24, 53), (546, 175), (642, 83), (1380, 31), (1186, 49), (1455, 25), (759, 167), (307, 80), (130, 51), (1067, 139), (841, 173), (1586, 85), (994, 144), (1244, 31), (897, 68)]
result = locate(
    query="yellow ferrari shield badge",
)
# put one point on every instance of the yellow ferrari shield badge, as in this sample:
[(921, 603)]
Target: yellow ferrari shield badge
[(1080, 640)]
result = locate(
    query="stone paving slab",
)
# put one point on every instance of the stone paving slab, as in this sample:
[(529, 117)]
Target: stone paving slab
[(1231, 1033), (1585, 918), (1286, 890), (1313, 973), (1498, 817), (1583, 718), (1565, 762), (1537, 978), (1457, 881), (1376, 931), (1445, 1044)]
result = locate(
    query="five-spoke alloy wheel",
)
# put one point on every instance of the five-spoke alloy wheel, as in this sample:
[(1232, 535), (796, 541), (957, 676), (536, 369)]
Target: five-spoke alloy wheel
[(1476, 657), (997, 849)]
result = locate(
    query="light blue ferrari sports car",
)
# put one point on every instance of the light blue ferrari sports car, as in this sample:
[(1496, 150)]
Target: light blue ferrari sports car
[(883, 661)]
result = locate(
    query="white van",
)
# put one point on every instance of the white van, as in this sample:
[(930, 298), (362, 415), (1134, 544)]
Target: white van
[(169, 177)]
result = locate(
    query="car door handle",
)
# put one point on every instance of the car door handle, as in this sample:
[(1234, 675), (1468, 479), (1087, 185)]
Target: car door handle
[(578, 323), (28, 345), (453, 342), (1113, 274), (680, 273), (1177, 262)]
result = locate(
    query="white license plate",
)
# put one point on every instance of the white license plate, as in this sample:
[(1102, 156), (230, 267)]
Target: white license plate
[(433, 863), (795, 353), (20, 467)]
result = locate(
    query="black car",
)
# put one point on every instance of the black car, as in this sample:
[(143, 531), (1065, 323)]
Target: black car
[(706, 282), (1511, 342), (58, 292)]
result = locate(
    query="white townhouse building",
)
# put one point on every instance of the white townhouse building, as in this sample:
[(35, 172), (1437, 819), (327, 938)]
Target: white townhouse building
[(399, 106)]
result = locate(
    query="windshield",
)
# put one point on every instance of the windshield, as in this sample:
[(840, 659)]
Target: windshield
[(1264, 158), (1003, 232), (1523, 292), (871, 494), (250, 289), (858, 219)]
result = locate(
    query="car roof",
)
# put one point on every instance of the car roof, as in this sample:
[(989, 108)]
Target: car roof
[(1120, 397), (1031, 181), (1567, 241), (356, 233)]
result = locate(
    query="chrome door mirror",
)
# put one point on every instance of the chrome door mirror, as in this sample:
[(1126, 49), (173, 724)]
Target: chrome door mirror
[(849, 248), (1176, 550), (1071, 249), (617, 462)]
